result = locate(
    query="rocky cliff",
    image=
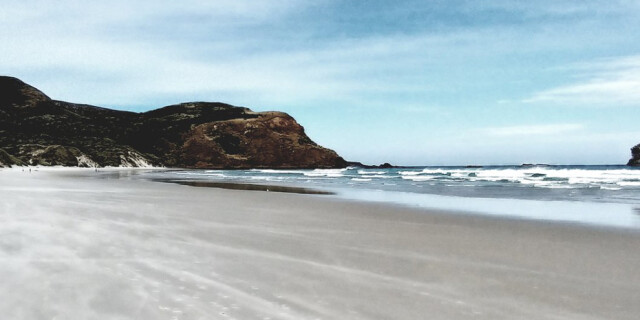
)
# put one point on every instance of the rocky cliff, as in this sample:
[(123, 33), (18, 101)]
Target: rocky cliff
[(36, 130), (635, 156)]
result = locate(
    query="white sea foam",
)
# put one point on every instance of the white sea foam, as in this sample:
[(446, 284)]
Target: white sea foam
[(629, 183), (208, 173), (377, 176), (371, 172), (418, 178), (279, 171), (605, 179), (410, 173), (334, 173), (534, 176), (222, 175), (559, 186)]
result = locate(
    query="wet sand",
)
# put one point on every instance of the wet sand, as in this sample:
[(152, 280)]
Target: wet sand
[(73, 246)]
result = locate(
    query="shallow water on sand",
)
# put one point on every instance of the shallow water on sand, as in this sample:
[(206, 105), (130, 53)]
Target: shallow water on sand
[(596, 195)]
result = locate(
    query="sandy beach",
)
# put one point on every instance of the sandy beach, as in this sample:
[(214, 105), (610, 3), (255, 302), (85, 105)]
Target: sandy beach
[(75, 244)]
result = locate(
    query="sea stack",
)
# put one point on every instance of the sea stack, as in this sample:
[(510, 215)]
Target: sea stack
[(37, 130), (635, 156)]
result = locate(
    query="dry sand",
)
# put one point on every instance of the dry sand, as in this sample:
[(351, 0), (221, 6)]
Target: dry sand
[(73, 246)]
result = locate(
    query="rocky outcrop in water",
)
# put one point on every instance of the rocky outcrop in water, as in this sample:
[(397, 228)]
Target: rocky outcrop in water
[(635, 156), (385, 165), (36, 130)]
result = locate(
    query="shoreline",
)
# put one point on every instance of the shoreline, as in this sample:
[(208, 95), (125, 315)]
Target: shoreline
[(77, 247), (579, 213), (618, 215), (587, 214)]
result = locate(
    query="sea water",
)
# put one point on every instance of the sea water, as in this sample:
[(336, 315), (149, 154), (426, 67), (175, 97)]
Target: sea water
[(601, 195)]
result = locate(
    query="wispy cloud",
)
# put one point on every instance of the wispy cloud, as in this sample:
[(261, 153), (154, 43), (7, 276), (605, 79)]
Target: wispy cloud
[(532, 130), (410, 67), (74, 11), (147, 51), (610, 82), (555, 8), (342, 69)]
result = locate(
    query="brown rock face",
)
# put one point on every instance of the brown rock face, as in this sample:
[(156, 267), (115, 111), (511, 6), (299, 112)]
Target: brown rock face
[(272, 139), (39, 131)]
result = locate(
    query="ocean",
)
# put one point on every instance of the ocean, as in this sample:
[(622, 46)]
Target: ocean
[(595, 195)]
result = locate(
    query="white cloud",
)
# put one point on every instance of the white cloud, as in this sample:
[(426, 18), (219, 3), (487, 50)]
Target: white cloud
[(77, 11), (560, 9), (610, 82), (131, 52), (532, 130), (408, 78), (335, 69)]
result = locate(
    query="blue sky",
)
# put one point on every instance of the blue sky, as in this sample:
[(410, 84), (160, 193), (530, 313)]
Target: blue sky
[(407, 82)]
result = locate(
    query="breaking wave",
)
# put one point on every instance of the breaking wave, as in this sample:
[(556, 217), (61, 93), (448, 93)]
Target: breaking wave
[(511, 181)]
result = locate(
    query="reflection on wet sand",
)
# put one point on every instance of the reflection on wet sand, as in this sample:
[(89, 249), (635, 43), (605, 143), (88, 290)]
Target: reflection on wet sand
[(247, 186)]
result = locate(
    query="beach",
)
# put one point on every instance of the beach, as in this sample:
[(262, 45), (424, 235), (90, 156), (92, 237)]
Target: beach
[(76, 244)]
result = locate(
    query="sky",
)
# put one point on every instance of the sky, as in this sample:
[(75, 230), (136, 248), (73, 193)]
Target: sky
[(407, 82)]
